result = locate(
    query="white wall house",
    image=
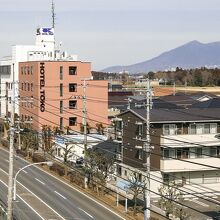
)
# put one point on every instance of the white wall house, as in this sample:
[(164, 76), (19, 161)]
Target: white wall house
[(75, 145)]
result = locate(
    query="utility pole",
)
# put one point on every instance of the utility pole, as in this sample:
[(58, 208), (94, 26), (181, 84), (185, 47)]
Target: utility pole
[(53, 16), (84, 85), (85, 115), (147, 149), (6, 100), (174, 88), (11, 153)]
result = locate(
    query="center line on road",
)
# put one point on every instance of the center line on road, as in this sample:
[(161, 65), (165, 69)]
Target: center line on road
[(60, 195), (86, 213), (6, 160), (39, 181)]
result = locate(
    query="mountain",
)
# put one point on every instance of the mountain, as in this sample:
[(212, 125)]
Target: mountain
[(191, 55)]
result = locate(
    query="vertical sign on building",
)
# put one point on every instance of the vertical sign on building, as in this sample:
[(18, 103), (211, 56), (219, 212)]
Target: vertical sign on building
[(42, 87)]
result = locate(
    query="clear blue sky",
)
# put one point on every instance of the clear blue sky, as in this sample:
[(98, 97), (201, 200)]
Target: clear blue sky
[(112, 32)]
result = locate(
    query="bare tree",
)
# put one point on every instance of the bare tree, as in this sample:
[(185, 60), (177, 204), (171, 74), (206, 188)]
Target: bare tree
[(98, 167), (137, 186), (169, 194)]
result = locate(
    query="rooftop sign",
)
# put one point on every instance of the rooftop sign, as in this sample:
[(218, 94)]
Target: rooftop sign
[(45, 31)]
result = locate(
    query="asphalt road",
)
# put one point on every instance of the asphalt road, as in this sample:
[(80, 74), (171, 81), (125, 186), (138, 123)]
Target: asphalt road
[(20, 210), (66, 201)]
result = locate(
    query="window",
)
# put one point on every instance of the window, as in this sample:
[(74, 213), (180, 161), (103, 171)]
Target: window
[(28, 86), (185, 153), (31, 86), (22, 86), (140, 129), (139, 177), (22, 70), (140, 154), (72, 104), (169, 129), (72, 70), (31, 70), (198, 152), (213, 128), (166, 153), (5, 69), (166, 177), (203, 128), (119, 170), (125, 173), (72, 87), (61, 123), (192, 129), (61, 89), (72, 121), (61, 106), (28, 70), (119, 148), (61, 72)]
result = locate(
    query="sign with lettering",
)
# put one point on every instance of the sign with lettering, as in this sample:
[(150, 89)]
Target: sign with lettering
[(42, 86), (45, 31)]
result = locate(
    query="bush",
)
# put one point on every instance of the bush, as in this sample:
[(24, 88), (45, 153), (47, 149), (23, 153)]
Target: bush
[(5, 143), (58, 169), (38, 158), (21, 152)]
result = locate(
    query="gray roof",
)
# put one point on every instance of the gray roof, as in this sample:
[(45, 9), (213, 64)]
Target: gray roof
[(178, 115), (211, 103)]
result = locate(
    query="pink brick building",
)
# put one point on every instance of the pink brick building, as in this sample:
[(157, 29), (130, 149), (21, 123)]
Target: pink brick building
[(57, 91)]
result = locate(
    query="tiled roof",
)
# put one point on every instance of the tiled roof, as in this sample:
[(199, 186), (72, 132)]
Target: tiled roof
[(211, 103), (179, 115)]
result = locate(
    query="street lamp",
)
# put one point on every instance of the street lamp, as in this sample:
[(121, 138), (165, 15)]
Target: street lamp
[(49, 163)]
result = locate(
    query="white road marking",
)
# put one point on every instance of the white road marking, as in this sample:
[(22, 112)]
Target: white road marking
[(200, 203), (214, 200), (40, 181), (36, 196), (86, 213), (100, 204), (6, 160), (60, 195), (25, 203), (24, 171)]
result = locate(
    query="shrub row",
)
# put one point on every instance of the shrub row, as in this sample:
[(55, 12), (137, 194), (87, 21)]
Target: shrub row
[(58, 169), (38, 158), (5, 143), (21, 152)]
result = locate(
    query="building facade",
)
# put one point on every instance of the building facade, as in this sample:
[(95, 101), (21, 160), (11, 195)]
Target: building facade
[(43, 49), (186, 148), (52, 93)]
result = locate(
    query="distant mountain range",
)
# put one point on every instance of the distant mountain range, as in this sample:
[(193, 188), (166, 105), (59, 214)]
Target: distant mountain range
[(191, 55)]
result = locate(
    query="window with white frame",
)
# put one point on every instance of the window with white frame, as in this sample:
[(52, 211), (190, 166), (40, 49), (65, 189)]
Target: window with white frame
[(140, 129), (169, 129), (140, 154), (207, 128)]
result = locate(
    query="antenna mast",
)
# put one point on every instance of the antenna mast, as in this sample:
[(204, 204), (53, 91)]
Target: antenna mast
[(53, 14)]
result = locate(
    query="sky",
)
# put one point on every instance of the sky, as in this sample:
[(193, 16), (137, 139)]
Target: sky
[(113, 32)]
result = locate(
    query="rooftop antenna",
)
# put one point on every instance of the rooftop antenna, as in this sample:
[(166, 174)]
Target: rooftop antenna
[(53, 21), (53, 14)]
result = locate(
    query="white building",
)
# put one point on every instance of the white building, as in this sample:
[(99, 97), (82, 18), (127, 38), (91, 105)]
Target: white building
[(43, 49), (74, 144)]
